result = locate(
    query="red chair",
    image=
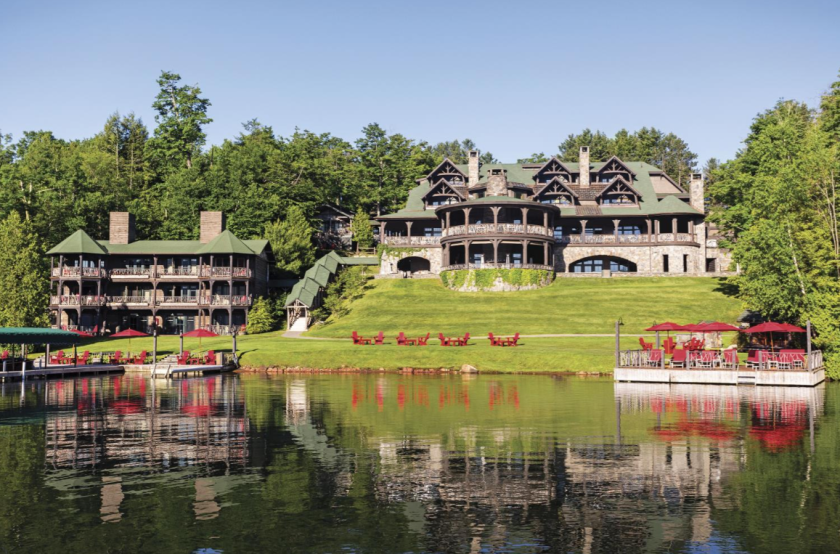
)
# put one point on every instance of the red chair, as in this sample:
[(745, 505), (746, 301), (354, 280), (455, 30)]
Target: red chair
[(401, 340), (443, 340), (758, 359), (655, 358), (183, 359), (645, 345), (57, 358), (465, 340), (423, 341), (85, 359), (379, 339), (210, 358), (513, 341), (493, 340), (678, 358), (5, 355), (356, 338), (730, 359), (141, 359)]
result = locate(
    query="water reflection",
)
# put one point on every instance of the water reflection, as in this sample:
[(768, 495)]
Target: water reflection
[(388, 463)]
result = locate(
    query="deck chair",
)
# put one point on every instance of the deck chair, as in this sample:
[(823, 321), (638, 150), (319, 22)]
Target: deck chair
[(401, 340), (655, 358), (493, 340), (515, 340), (678, 358), (379, 339), (141, 359), (730, 359), (443, 340), (184, 358), (356, 338), (423, 341)]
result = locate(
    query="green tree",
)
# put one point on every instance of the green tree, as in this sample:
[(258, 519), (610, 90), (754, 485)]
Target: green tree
[(362, 231), (291, 241), (261, 316), (24, 280), (181, 116), (830, 111), (598, 143), (535, 158)]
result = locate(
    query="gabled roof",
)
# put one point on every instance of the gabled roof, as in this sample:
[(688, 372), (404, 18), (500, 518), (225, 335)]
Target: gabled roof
[(554, 160), (449, 167), (444, 183), (554, 182), (225, 243), (617, 160), (618, 179), (78, 243), (327, 206)]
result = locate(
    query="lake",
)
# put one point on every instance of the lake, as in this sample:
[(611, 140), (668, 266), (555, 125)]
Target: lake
[(413, 463)]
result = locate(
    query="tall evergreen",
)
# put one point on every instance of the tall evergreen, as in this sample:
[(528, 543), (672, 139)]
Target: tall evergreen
[(362, 231), (291, 241), (24, 281)]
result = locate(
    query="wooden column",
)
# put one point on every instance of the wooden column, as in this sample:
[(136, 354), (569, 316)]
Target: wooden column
[(616, 223), (408, 225), (230, 294), (467, 219), (495, 217), (647, 221), (674, 227), (525, 218), (467, 244), (495, 251), (524, 252), (656, 227), (545, 222), (583, 223), (448, 224), (545, 253)]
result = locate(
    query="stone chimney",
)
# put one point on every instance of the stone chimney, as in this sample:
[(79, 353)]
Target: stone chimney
[(697, 193), (122, 229), (473, 170), (584, 167), (497, 183), (212, 225)]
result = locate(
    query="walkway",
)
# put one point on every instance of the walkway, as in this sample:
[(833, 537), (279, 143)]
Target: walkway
[(299, 335)]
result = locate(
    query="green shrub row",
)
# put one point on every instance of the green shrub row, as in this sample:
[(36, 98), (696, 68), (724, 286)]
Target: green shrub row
[(485, 278)]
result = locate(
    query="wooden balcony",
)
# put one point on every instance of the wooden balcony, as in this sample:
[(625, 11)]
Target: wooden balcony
[(225, 300), (177, 300), (629, 240), (77, 300), (131, 273), (226, 272), (129, 301), (67, 272), (497, 229)]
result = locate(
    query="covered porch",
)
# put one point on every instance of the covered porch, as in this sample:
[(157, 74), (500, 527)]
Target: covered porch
[(499, 253)]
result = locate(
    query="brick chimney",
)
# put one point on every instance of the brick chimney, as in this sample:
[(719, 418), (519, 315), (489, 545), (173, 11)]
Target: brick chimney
[(697, 193), (584, 167), (122, 229), (473, 169), (212, 225)]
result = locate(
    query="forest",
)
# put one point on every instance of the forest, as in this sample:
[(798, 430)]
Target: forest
[(775, 202)]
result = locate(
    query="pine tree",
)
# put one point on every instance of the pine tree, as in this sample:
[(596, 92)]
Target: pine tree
[(24, 279), (362, 231), (261, 317), (291, 241)]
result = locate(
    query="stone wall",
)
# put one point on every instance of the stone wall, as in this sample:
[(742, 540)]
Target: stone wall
[(122, 228), (502, 283), (389, 260), (649, 260)]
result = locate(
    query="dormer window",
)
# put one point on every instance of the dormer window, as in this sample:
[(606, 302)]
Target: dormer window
[(620, 200)]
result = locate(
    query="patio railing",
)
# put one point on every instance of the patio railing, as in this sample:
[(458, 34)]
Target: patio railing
[(501, 265), (412, 241), (132, 272), (225, 272), (78, 272), (142, 300), (76, 300), (642, 359), (182, 299), (500, 228), (225, 300)]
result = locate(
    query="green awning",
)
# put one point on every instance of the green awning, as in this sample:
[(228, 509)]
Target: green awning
[(36, 335)]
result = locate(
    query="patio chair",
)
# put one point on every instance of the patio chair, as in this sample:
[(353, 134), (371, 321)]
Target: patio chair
[(5, 355), (493, 340), (645, 345), (85, 358), (758, 359), (797, 357), (210, 358), (678, 358), (141, 359), (423, 341), (706, 359), (782, 361), (184, 358), (356, 338), (57, 358), (655, 358), (443, 340), (669, 344), (401, 340), (465, 340), (730, 359), (379, 339), (515, 340)]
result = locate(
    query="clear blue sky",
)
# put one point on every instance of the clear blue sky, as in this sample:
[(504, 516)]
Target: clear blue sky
[(516, 77)]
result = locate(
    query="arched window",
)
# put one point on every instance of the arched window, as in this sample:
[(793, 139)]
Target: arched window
[(600, 263)]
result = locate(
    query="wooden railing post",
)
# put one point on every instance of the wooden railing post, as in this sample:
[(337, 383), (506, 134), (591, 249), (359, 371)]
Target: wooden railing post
[(808, 364), (617, 342)]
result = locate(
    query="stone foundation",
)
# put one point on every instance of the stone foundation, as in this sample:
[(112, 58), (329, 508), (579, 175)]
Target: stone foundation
[(506, 280), (391, 258)]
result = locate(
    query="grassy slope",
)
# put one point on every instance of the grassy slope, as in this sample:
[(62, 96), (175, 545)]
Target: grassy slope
[(566, 306), (420, 306)]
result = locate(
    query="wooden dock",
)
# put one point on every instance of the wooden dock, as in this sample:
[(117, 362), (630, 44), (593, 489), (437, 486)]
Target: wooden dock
[(740, 376), (61, 371), (174, 370)]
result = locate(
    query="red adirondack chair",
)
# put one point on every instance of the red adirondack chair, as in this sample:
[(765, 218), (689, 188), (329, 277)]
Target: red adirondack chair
[(730, 359), (379, 339), (465, 340), (57, 358), (669, 344), (210, 358), (5, 355), (401, 340), (514, 340), (443, 340), (423, 341), (493, 340), (85, 359), (645, 345), (141, 359), (183, 359)]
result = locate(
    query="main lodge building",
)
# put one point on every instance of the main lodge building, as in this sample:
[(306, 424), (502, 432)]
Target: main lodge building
[(177, 285), (610, 217)]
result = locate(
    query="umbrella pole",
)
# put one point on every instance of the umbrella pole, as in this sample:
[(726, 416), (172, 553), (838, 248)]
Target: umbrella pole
[(182, 344), (657, 340), (47, 358), (808, 345)]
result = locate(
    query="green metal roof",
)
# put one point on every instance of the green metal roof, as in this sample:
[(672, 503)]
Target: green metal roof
[(36, 335), (225, 243), (361, 260), (78, 243), (319, 275), (651, 203)]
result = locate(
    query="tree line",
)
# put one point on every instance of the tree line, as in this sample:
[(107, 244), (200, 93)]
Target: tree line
[(269, 186)]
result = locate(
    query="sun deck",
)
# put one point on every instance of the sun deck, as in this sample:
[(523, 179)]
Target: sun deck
[(740, 376)]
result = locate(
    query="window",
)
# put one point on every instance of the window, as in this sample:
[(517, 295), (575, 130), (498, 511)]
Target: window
[(711, 265), (665, 263), (685, 263), (594, 231), (596, 265), (629, 230), (442, 200), (431, 232), (623, 199), (558, 232)]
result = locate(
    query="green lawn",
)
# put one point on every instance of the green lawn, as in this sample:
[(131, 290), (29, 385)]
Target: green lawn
[(584, 305), (420, 306)]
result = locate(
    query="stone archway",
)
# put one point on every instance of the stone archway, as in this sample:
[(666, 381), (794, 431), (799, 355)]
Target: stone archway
[(596, 264), (414, 264)]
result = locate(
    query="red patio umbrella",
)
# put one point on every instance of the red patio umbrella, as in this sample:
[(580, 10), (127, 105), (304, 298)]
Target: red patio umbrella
[(200, 333), (83, 334), (716, 327), (129, 334), (667, 326), (773, 327)]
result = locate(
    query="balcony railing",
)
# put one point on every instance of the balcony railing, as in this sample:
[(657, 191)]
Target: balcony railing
[(626, 239), (78, 272), (225, 272), (182, 299), (496, 229), (139, 300), (412, 241), (226, 329), (183, 271), (76, 300), (145, 272), (225, 300)]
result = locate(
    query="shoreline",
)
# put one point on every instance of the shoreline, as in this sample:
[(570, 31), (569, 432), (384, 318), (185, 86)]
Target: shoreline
[(251, 370)]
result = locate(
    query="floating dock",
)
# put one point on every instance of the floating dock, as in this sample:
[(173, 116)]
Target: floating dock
[(741, 376), (61, 372)]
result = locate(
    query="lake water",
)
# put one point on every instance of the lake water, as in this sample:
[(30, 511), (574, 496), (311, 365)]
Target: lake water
[(393, 463)]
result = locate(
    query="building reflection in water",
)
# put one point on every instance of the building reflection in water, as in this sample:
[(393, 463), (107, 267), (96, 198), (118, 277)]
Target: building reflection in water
[(111, 426)]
